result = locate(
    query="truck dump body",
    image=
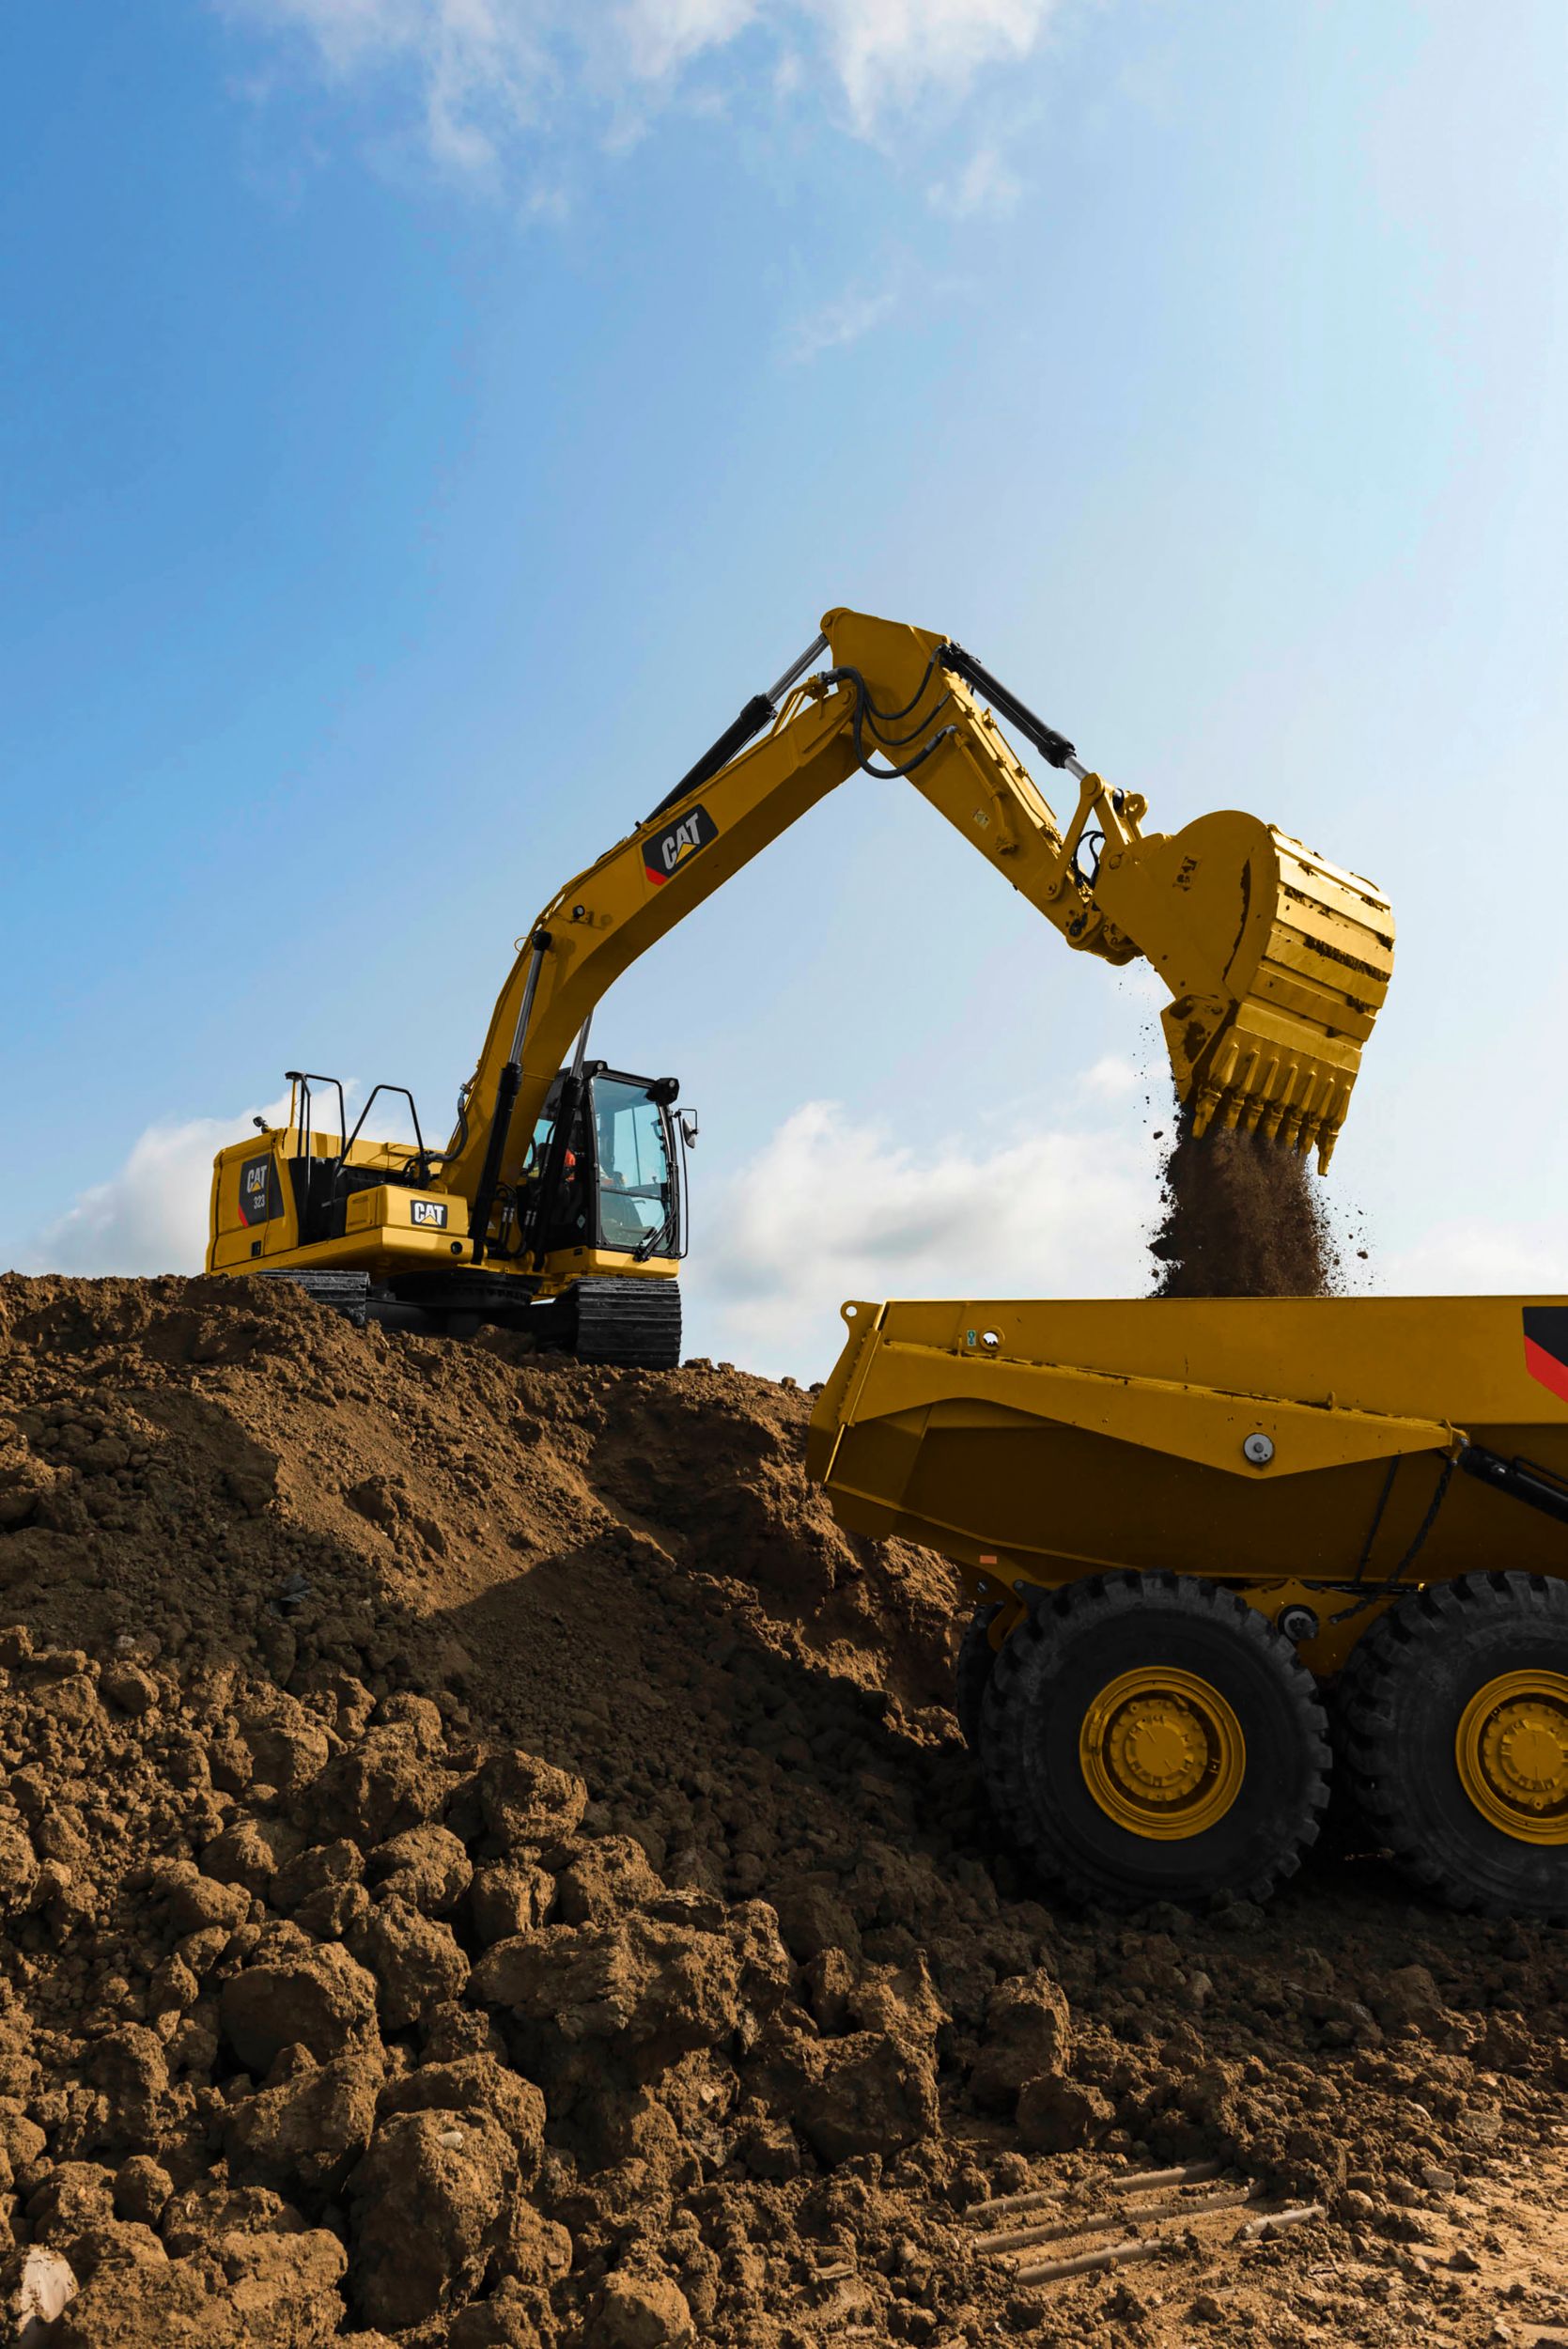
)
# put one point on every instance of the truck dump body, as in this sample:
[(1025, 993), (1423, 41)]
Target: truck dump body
[(1176, 1519), (1042, 1441)]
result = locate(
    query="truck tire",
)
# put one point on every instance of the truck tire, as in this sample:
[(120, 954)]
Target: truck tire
[(972, 1672), (1451, 1722), (1150, 1736)]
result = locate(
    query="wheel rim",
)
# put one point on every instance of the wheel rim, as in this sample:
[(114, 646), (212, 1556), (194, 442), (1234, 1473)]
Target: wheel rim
[(1162, 1753), (1512, 1749)]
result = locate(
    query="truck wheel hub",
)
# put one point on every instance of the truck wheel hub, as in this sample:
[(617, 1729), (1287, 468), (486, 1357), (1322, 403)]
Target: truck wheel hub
[(1511, 1754), (1162, 1753)]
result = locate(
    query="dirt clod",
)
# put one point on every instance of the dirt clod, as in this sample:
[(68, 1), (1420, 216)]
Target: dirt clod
[(296, 1992)]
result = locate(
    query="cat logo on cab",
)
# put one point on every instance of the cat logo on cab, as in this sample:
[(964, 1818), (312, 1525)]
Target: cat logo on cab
[(429, 1211)]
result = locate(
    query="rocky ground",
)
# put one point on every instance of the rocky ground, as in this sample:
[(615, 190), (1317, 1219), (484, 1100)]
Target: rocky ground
[(487, 1861)]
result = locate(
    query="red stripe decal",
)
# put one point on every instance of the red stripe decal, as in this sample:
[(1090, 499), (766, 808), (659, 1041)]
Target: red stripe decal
[(1547, 1370)]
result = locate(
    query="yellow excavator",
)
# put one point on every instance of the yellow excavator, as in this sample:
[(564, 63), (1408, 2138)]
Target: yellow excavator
[(557, 1206)]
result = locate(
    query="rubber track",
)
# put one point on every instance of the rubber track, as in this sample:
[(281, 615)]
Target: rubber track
[(632, 1324), (1436, 1618), (347, 1293)]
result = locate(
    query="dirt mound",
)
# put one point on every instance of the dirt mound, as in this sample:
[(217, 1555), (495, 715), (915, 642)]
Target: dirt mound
[(487, 1861), (1241, 1219)]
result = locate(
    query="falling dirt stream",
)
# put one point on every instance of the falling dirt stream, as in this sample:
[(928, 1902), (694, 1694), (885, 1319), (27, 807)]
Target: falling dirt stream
[(1243, 1218)]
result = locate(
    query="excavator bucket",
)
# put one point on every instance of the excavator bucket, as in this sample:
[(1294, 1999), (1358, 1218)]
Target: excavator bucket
[(1278, 962)]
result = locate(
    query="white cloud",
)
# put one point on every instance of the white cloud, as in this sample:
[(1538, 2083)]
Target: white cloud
[(892, 52), (839, 324), (831, 1208), (662, 36), (985, 189), (489, 71), (152, 1215), (1114, 1078), (1465, 1259), (548, 201)]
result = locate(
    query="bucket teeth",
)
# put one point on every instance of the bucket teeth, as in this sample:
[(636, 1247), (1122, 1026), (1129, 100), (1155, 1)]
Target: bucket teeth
[(1285, 1098), (1204, 1109), (1329, 1133)]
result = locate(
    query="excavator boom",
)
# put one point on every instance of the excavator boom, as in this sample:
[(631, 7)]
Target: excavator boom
[(1277, 961)]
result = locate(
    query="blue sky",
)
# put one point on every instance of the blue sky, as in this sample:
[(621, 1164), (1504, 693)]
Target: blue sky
[(424, 422)]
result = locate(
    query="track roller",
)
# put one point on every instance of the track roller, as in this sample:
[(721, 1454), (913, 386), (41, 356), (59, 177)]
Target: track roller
[(1150, 1736), (1451, 1722)]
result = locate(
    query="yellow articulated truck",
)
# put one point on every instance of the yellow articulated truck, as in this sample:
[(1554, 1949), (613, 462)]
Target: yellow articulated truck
[(1221, 1552)]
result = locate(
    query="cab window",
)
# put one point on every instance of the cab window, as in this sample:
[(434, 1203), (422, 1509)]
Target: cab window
[(636, 1196)]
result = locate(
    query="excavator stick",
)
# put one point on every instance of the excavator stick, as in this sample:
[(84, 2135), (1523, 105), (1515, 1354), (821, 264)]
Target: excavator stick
[(1278, 962)]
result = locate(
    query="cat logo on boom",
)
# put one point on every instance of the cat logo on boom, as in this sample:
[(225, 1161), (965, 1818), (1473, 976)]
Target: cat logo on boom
[(668, 850)]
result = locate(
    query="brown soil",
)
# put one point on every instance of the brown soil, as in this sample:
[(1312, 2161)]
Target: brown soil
[(1242, 1218), (487, 1861)]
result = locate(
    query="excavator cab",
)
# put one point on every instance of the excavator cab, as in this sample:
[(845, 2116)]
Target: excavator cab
[(606, 1169)]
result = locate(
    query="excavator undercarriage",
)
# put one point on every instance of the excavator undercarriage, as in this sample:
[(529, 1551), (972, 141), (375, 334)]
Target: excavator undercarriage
[(631, 1326)]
